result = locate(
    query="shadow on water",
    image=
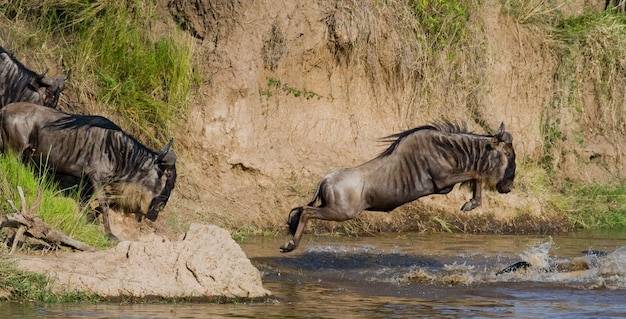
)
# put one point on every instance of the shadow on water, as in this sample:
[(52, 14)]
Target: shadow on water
[(317, 261)]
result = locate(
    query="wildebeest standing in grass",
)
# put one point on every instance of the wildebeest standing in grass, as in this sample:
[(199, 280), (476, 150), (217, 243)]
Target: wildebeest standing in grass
[(19, 84), (426, 160), (122, 170)]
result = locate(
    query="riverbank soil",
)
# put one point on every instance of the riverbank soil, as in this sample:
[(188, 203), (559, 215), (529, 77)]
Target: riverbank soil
[(295, 89)]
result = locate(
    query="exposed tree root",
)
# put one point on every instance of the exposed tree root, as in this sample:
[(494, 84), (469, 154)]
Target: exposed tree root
[(28, 223)]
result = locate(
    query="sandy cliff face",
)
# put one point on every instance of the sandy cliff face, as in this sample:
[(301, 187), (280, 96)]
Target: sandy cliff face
[(294, 89)]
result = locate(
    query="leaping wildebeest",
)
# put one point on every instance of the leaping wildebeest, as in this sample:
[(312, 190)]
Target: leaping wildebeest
[(122, 170), (19, 84), (425, 160)]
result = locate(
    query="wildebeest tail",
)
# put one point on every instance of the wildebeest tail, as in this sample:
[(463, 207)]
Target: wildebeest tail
[(317, 193), (294, 219)]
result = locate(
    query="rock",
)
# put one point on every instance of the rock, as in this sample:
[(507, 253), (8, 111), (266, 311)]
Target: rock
[(205, 263)]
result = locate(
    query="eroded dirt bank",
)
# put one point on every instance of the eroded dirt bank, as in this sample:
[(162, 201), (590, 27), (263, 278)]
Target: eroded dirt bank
[(295, 89)]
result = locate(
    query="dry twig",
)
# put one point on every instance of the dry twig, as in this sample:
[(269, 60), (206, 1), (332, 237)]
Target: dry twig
[(28, 223)]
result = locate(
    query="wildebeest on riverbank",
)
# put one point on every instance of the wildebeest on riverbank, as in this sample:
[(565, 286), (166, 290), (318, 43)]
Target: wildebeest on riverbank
[(19, 84), (426, 160), (117, 166)]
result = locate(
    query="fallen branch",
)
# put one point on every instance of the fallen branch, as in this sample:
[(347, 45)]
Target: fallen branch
[(27, 223)]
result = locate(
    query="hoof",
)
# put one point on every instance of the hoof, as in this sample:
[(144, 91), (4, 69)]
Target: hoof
[(112, 238), (469, 205), (289, 246)]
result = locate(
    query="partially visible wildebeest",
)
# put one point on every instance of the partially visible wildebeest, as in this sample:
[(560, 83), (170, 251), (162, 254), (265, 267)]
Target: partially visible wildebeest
[(19, 84), (121, 169), (422, 161), (618, 5)]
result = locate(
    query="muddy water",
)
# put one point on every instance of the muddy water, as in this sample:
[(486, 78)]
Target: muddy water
[(409, 275)]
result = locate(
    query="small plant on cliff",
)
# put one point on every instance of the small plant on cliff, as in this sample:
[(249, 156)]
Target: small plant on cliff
[(532, 11), (444, 21), (275, 85)]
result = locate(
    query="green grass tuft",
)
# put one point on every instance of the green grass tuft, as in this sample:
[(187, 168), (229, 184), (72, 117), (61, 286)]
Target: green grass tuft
[(24, 286), (596, 205), (61, 212), (21, 285)]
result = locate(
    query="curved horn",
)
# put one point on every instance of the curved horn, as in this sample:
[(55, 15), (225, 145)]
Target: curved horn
[(503, 136), (169, 158), (46, 81), (166, 156), (166, 148)]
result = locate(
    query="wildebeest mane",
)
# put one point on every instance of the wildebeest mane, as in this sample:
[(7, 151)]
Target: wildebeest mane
[(76, 121), (136, 150), (443, 126)]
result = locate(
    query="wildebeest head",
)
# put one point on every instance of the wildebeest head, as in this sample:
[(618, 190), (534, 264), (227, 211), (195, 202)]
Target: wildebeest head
[(18, 83), (49, 89), (166, 167), (502, 147)]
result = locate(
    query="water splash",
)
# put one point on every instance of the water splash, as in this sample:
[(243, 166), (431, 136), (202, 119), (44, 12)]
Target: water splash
[(591, 270), (539, 256)]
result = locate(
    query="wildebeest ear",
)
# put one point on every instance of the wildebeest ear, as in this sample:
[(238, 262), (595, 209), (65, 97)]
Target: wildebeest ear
[(60, 81), (167, 157)]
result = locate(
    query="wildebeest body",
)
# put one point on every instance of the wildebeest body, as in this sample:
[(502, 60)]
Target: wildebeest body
[(18, 83), (425, 160), (94, 148)]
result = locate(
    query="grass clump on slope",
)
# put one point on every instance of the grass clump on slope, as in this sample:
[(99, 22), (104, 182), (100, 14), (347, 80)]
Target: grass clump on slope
[(61, 212), (118, 53)]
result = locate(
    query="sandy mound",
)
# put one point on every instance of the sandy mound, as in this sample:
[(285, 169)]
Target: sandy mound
[(205, 263)]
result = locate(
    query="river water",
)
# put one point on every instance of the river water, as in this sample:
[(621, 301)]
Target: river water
[(409, 275)]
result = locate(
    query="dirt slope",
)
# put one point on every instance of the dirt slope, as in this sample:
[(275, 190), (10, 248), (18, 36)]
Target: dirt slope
[(255, 149)]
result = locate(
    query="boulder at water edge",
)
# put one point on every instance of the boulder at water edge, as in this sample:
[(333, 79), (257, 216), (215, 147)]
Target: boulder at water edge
[(205, 263)]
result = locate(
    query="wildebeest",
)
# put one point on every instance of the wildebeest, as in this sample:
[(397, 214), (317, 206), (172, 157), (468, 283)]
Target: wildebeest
[(19, 84), (124, 171), (425, 160)]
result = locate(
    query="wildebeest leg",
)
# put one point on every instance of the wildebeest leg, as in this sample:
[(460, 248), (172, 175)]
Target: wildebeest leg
[(476, 199), (103, 207), (309, 212), (103, 204), (451, 180)]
